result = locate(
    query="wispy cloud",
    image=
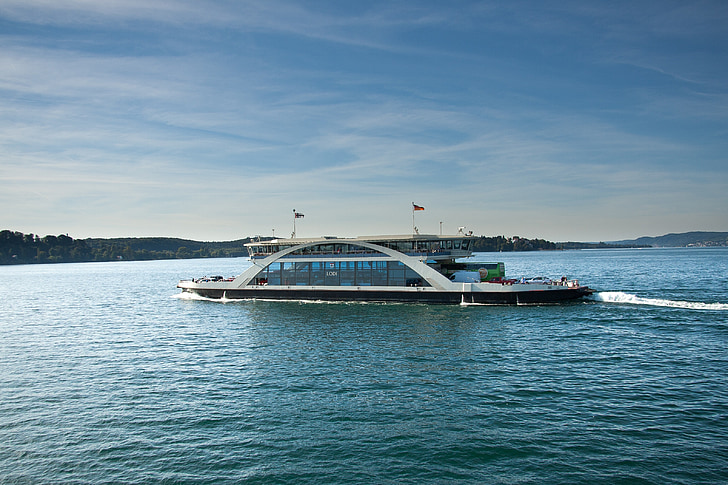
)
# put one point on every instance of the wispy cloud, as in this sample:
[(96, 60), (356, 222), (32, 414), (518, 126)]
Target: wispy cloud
[(172, 117)]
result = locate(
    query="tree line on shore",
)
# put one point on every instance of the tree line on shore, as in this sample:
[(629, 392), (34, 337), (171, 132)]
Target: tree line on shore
[(501, 243), (19, 248), (497, 244)]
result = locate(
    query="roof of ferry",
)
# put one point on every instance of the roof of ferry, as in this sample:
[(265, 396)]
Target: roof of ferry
[(395, 237)]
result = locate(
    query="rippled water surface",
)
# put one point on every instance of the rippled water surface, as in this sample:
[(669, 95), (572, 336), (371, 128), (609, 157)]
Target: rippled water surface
[(105, 376)]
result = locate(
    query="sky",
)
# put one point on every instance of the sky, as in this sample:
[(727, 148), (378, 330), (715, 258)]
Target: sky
[(566, 121)]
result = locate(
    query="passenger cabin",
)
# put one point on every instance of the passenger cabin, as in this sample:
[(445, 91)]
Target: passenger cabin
[(370, 261)]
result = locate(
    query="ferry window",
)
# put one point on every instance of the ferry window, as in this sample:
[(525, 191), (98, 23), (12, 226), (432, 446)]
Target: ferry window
[(354, 249), (456, 244), (364, 273), (346, 270), (288, 274), (413, 279), (395, 273), (274, 274), (379, 273), (331, 273), (302, 273), (317, 273), (448, 244), (465, 245)]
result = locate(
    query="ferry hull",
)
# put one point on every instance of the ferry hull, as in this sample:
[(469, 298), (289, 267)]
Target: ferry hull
[(409, 295)]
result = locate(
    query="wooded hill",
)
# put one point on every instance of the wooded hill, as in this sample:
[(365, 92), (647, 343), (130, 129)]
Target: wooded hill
[(682, 240), (501, 243), (19, 248)]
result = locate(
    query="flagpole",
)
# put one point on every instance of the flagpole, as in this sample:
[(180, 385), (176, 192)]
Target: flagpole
[(415, 208), (296, 215)]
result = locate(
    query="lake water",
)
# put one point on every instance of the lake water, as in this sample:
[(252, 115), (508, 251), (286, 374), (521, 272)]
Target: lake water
[(107, 377)]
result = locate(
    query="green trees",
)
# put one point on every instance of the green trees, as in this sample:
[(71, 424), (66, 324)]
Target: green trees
[(19, 248), (515, 243)]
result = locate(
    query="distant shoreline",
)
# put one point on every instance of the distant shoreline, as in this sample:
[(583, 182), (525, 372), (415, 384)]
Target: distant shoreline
[(19, 248)]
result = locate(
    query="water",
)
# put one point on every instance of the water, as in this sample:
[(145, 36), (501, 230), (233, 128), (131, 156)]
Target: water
[(106, 377)]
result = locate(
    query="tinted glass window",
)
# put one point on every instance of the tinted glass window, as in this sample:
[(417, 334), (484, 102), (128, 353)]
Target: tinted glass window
[(274, 274), (288, 274), (346, 269), (331, 275), (395, 273), (318, 272), (303, 273), (364, 273), (379, 273)]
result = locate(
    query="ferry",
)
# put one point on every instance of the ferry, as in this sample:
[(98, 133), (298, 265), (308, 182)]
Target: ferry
[(416, 268)]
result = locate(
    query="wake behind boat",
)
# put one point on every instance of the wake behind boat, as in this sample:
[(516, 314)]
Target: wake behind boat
[(406, 268)]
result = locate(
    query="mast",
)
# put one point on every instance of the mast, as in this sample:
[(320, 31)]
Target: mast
[(296, 215), (415, 208)]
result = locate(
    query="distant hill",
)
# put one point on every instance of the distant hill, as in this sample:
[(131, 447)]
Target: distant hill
[(682, 240), (177, 247), (516, 243), (19, 248)]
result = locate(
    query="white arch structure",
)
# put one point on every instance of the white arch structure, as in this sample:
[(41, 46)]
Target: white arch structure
[(432, 276)]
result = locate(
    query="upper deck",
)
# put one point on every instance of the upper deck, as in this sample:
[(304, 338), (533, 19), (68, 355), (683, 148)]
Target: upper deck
[(431, 247)]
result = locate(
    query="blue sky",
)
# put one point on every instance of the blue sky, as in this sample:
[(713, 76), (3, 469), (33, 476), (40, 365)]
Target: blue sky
[(563, 120)]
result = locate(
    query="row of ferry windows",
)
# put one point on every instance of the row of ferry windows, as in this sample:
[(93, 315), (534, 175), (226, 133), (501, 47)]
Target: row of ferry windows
[(429, 246), (340, 273), (401, 246)]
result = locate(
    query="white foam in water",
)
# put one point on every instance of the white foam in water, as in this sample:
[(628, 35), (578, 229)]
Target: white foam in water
[(621, 297), (187, 295)]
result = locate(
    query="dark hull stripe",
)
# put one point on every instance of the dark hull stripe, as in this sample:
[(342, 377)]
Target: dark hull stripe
[(444, 297)]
